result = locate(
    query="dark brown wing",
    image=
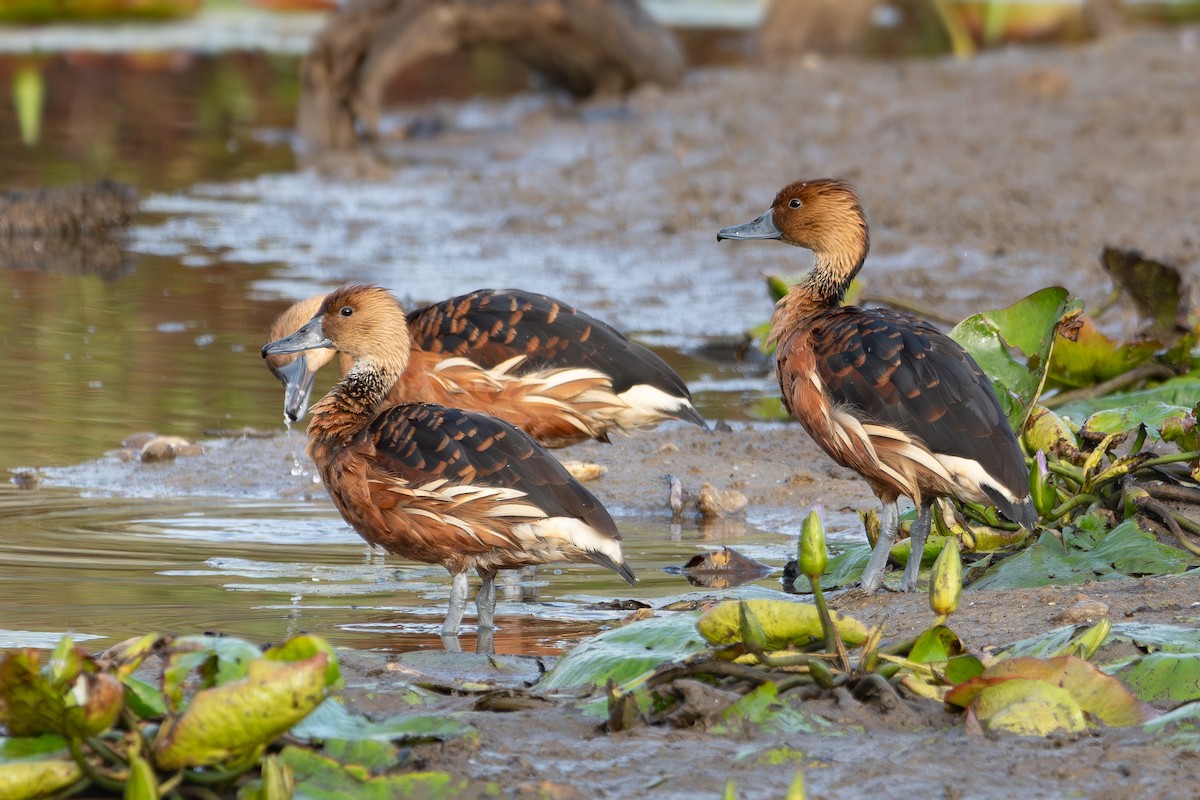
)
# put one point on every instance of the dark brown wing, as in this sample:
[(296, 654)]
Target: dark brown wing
[(493, 325), (420, 442), (898, 371)]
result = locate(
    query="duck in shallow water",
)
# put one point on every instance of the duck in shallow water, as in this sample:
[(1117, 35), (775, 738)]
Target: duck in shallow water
[(435, 484), (557, 373), (884, 394)]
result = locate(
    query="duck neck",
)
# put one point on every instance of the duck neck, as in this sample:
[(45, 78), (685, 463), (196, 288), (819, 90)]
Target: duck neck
[(352, 403), (822, 289)]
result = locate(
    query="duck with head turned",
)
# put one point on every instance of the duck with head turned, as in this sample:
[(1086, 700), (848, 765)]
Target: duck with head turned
[(560, 375), (436, 484), (884, 394)]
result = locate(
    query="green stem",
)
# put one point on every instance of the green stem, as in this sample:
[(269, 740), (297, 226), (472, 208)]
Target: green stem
[(102, 777), (1139, 440), (1072, 502), (1172, 458), (833, 638), (1066, 470)]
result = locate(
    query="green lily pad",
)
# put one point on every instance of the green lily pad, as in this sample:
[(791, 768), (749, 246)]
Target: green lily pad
[(331, 720), (1030, 326), (1123, 551), (1173, 677), (628, 652), (1153, 416), (1181, 391), (31, 704), (843, 569), (1179, 728)]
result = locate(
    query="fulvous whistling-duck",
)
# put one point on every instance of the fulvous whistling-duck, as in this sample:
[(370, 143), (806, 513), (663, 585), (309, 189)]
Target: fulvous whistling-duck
[(436, 484), (883, 393), (557, 373)]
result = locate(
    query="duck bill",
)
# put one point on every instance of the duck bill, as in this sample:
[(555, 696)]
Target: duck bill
[(297, 381), (761, 228), (309, 337)]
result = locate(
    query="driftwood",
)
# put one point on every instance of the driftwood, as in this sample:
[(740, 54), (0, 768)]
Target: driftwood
[(67, 230), (587, 47)]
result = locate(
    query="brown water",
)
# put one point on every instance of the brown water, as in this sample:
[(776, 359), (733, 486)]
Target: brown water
[(164, 336)]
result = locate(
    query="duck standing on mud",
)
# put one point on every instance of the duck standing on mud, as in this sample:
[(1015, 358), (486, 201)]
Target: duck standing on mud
[(436, 484), (884, 394), (558, 374)]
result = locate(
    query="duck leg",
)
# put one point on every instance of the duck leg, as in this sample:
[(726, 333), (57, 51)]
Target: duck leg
[(485, 601), (872, 576), (454, 613), (485, 604), (917, 535)]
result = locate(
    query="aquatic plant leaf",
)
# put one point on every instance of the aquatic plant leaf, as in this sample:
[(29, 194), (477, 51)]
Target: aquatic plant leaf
[(377, 756), (1127, 418), (785, 623), (305, 646), (319, 777), (332, 720), (962, 668), (1169, 638), (1183, 431), (1181, 391), (28, 780), (762, 709), (1049, 643), (231, 655), (1125, 550), (844, 568), (1094, 357), (1179, 728), (1028, 708), (1173, 677), (1049, 432), (144, 698), (937, 644), (29, 703), (1101, 696), (231, 721), (1029, 326), (628, 652)]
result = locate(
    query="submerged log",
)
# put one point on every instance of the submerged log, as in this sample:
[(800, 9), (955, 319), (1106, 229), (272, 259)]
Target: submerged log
[(587, 47)]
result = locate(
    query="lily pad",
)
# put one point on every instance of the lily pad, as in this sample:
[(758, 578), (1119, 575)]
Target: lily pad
[(331, 720), (1094, 357), (1181, 391), (1123, 551), (1153, 416), (1029, 326), (628, 652), (319, 777), (225, 723), (1028, 708), (1164, 677)]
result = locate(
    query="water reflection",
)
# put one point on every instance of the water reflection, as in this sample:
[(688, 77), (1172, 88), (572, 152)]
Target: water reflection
[(106, 568)]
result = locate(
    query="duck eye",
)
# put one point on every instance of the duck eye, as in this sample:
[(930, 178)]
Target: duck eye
[(346, 311), (794, 202)]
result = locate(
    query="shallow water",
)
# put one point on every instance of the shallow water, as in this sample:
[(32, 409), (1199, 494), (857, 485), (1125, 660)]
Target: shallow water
[(105, 568), (163, 334)]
